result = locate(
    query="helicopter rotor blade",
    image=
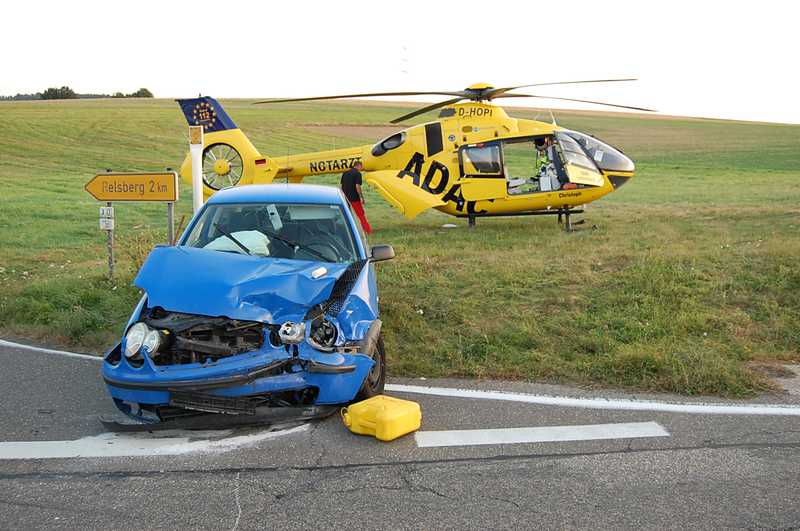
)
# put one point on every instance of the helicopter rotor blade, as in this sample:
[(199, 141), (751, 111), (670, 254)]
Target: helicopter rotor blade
[(574, 99), (365, 95), (497, 92), (423, 110)]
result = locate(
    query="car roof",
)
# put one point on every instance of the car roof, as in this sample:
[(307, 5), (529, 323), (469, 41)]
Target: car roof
[(314, 194)]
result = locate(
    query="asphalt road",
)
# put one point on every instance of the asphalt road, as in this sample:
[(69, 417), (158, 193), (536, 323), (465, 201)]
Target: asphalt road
[(712, 471)]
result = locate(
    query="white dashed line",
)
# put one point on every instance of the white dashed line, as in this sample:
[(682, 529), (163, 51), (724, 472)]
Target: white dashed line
[(592, 432)]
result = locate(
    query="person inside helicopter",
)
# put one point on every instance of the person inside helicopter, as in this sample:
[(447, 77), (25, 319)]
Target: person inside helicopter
[(546, 163), (531, 165)]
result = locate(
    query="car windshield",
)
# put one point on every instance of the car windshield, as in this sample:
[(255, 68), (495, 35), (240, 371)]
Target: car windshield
[(277, 230)]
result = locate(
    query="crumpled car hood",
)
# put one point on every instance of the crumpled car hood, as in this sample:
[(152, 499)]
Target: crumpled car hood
[(250, 288)]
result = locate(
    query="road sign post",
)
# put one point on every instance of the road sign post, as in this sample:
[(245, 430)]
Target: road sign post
[(196, 152), (107, 224), (171, 220), (171, 223)]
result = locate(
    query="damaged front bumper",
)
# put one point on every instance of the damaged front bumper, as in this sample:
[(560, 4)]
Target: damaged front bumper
[(251, 384)]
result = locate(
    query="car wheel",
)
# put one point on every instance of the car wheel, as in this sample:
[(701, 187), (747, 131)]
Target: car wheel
[(376, 379)]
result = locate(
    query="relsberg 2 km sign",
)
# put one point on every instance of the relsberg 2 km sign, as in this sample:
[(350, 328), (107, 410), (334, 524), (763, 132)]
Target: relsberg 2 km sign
[(134, 186)]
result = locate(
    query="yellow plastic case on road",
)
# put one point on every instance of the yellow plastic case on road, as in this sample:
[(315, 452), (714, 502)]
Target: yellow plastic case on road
[(383, 417)]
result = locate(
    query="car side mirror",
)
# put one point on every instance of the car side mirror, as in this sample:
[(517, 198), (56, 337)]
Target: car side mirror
[(381, 253)]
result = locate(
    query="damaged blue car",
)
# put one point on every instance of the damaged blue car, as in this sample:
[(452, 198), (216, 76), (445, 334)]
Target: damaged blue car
[(266, 308)]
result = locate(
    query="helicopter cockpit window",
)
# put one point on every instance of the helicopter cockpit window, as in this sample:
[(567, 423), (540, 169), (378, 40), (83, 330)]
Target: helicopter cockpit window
[(481, 160), (573, 152), (606, 157), (579, 169)]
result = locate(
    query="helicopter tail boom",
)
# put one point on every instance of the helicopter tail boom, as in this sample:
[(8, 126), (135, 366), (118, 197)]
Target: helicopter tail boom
[(296, 167)]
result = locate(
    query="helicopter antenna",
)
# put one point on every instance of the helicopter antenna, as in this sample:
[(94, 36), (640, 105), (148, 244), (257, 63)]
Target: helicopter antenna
[(552, 116)]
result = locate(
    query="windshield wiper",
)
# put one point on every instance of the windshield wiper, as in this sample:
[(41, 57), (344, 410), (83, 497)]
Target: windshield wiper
[(231, 238), (295, 244)]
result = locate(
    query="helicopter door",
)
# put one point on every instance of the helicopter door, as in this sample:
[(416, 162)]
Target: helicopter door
[(482, 172), (579, 168), (521, 166)]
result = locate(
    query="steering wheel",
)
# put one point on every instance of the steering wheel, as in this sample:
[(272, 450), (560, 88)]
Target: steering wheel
[(324, 248)]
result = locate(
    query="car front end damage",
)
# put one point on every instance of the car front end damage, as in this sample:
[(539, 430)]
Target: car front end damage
[(242, 339)]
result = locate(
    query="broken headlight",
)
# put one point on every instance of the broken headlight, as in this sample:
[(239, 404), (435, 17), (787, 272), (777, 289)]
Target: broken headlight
[(292, 333), (152, 340), (140, 335), (134, 339), (323, 335)]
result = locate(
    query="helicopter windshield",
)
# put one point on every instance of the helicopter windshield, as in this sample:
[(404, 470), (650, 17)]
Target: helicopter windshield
[(573, 152), (606, 157)]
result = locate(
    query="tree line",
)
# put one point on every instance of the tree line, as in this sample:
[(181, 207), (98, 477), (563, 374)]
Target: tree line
[(66, 93)]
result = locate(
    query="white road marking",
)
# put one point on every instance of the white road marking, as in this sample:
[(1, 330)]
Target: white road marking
[(591, 432), (131, 445), (4, 343), (603, 403)]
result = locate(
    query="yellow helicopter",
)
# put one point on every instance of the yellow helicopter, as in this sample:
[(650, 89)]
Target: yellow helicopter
[(473, 161)]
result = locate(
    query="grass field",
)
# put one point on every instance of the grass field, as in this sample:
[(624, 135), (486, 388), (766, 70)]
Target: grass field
[(690, 283)]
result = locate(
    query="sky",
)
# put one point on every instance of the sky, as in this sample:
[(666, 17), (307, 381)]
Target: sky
[(736, 60)]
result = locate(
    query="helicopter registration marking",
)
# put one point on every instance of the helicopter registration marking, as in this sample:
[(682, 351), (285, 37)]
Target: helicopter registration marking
[(473, 112)]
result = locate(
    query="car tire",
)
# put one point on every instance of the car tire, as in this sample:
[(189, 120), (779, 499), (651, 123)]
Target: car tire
[(376, 379)]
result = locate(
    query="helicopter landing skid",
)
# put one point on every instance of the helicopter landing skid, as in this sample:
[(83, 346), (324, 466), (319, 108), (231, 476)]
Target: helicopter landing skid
[(569, 224), (565, 212)]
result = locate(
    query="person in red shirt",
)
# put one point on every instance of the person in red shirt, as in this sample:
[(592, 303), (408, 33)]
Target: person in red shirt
[(351, 186)]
